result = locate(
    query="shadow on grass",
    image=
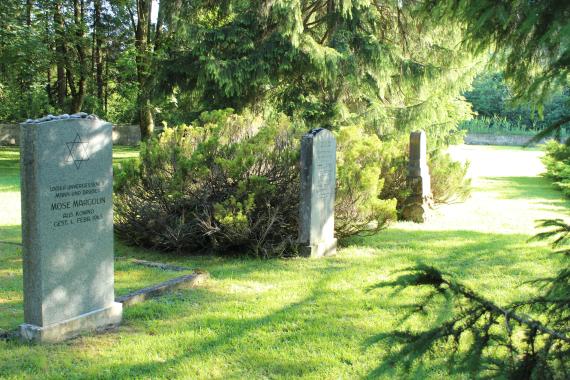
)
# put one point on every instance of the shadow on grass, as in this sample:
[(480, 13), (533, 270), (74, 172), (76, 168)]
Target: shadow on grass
[(464, 253), (295, 337), (281, 326), (414, 351), (460, 252), (219, 267)]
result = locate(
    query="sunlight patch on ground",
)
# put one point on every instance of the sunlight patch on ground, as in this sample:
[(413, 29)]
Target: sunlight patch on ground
[(10, 215), (509, 194), (251, 287)]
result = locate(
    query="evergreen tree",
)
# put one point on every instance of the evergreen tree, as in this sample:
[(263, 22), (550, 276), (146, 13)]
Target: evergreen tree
[(529, 39), (330, 63)]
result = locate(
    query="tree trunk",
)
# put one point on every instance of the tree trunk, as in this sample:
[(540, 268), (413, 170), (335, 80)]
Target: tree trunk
[(97, 56), (143, 60), (106, 80), (78, 96), (26, 76), (50, 48), (60, 53), (29, 12)]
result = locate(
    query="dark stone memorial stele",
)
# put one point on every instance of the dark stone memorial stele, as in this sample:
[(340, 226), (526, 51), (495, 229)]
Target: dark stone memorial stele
[(417, 205), (318, 184), (67, 227)]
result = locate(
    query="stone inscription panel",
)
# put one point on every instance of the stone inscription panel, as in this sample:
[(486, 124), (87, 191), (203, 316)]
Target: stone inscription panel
[(325, 157), (77, 203), (323, 187)]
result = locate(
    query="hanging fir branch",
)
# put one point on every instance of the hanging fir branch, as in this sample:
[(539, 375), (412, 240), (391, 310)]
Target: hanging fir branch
[(523, 340)]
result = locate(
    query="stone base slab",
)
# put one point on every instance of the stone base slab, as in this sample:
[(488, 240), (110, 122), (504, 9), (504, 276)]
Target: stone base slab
[(416, 212), (183, 282), (319, 249), (89, 322)]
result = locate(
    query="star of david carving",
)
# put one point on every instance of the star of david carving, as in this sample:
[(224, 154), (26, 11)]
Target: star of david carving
[(77, 151)]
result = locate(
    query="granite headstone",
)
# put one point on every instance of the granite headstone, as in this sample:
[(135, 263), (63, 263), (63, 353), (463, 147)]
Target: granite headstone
[(318, 183), (67, 227)]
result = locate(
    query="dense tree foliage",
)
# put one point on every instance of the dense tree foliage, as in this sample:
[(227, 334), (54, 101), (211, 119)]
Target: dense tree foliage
[(65, 56), (325, 61), (497, 110), (328, 62), (529, 40)]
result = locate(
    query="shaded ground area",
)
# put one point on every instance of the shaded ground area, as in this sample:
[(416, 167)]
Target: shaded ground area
[(303, 318)]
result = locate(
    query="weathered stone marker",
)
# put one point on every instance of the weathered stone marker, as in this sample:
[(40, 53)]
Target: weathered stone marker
[(67, 227), (417, 205), (318, 183)]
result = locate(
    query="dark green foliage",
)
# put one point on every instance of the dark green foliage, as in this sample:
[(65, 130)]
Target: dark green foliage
[(28, 60), (328, 63), (497, 112), (557, 163), (230, 184), (227, 183), (24, 57), (529, 38), (489, 95)]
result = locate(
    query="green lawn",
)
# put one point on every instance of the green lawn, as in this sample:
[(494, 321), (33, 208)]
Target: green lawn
[(326, 318)]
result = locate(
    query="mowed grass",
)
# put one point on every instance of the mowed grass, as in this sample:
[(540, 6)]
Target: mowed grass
[(305, 318)]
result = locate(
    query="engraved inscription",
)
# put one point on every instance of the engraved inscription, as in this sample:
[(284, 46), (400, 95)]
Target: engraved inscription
[(324, 170), (76, 203)]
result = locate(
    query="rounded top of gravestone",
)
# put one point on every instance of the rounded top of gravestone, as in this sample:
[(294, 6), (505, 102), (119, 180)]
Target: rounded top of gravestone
[(316, 131), (78, 115), (418, 134)]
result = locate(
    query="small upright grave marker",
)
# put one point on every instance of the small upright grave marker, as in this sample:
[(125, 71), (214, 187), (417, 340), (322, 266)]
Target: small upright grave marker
[(318, 183), (417, 205), (67, 227)]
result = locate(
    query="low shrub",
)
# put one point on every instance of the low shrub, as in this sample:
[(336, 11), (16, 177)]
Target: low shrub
[(557, 163), (449, 181), (395, 172), (230, 184), (359, 208), (227, 183), (497, 125)]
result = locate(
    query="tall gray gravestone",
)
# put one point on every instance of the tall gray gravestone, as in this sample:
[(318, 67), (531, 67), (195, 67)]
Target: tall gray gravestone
[(417, 205), (318, 184), (67, 227)]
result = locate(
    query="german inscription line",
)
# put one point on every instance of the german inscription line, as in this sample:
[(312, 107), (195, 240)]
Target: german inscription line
[(76, 191)]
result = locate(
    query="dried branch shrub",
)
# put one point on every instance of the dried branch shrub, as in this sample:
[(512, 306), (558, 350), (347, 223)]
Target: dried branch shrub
[(229, 183)]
